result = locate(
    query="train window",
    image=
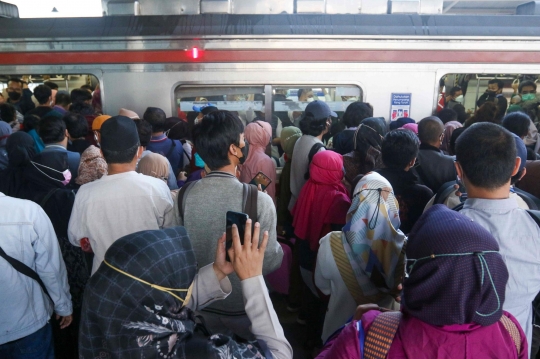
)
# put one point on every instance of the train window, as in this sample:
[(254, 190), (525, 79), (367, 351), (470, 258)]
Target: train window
[(64, 82), (465, 93)]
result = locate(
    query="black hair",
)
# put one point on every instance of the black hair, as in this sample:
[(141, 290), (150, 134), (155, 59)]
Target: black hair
[(356, 112), (145, 132), (51, 129), (430, 129), (30, 122), (42, 94), (80, 95), (14, 79), (156, 118), (500, 83), (447, 115), (455, 89), (518, 123), (62, 99), (7, 112), (87, 87), (487, 155), (399, 148), (301, 91), (51, 85), (310, 126), (125, 156), (214, 135), (178, 129), (82, 108), (455, 134), (76, 125), (526, 84)]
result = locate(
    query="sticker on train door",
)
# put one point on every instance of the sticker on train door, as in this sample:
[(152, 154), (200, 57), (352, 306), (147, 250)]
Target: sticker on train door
[(400, 105)]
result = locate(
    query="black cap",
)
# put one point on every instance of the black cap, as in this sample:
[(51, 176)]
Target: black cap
[(320, 110), (119, 133)]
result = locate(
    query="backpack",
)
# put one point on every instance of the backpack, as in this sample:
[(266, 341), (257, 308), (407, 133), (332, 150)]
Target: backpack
[(316, 147), (171, 149)]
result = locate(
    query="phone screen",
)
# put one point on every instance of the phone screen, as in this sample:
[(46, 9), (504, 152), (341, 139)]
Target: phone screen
[(261, 179), (240, 220)]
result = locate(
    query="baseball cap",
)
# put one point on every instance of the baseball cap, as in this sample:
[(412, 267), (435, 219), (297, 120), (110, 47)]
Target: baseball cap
[(98, 122), (320, 110)]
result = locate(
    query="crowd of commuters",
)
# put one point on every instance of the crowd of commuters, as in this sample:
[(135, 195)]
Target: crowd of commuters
[(395, 240)]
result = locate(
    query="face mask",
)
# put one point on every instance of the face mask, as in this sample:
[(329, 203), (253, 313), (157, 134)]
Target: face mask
[(66, 173), (14, 96), (199, 163), (310, 99), (459, 99), (244, 151), (528, 97), (491, 93)]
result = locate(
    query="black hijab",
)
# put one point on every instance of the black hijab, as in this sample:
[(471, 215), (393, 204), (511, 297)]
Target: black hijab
[(459, 277), (21, 149), (125, 318)]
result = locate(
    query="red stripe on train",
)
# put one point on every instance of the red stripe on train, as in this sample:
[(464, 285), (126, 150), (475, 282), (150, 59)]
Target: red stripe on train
[(182, 56)]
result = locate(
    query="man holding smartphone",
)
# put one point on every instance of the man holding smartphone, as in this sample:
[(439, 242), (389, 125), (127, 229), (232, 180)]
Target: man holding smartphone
[(219, 139)]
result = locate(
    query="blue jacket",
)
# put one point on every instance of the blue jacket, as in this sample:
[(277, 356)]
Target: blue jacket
[(163, 145), (28, 236)]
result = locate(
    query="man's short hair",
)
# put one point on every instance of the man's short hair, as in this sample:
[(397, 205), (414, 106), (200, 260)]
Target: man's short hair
[(356, 112), (62, 98), (526, 84), (518, 123), (399, 148), (156, 118), (455, 89), (82, 108), (125, 156), (15, 79), (145, 132), (87, 88), (80, 95), (214, 135), (447, 115), (30, 122), (487, 155), (430, 129), (7, 112), (500, 83), (42, 94), (52, 129), (311, 126), (51, 85), (301, 91), (76, 125)]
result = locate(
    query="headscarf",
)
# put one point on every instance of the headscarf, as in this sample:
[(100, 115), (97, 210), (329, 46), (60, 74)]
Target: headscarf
[(456, 274), (45, 170), (5, 132), (21, 148), (367, 143), (377, 123), (289, 136), (449, 128), (323, 199), (258, 134), (92, 166), (128, 113), (154, 165), (372, 239), (125, 318)]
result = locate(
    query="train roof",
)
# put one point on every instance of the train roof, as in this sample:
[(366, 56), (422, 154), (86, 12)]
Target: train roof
[(218, 25)]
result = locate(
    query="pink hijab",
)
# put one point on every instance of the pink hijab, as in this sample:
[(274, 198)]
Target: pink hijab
[(449, 127), (323, 200), (258, 134)]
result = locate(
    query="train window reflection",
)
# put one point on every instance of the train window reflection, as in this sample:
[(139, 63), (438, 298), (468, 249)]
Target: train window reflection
[(466, 93), (64, 82)]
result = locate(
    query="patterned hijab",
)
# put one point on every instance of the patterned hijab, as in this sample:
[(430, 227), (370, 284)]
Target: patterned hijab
[(449, 128), (371, 238), (125, 318), (456, 274), (92, 166)]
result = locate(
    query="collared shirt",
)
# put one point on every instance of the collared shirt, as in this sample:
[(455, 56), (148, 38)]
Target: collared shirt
[(518, 236)]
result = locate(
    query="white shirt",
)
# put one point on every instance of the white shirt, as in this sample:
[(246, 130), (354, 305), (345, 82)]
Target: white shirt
[(117, 205)]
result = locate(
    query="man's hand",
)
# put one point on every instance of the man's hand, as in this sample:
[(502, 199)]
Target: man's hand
[(222, 268), (247, 259), (64, 321)]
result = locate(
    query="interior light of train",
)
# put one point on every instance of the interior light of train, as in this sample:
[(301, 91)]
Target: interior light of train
[(195, 53)]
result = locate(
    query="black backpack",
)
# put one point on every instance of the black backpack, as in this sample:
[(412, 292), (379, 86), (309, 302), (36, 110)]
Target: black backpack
[(316, 147)]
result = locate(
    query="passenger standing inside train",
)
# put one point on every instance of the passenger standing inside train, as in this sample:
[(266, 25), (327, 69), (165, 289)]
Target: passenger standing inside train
[(486, 161), (77, 128), (5, 132), (160, 143), (355, 113), (219, 139), (258, 135), (494, 94), (399, 150), (434, 168), (19, 95), (43, 95), (121, 202), (454, 98), (53, 132), (25, 308), (315, 123), (93, 166)]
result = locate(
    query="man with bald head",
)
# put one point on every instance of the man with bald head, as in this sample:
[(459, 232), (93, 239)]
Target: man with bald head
[(434, 168)]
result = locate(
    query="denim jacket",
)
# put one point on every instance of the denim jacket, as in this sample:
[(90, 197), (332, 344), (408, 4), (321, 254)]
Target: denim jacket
[(26, 234)]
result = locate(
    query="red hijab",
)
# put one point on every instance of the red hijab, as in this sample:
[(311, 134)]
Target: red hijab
[(323, 200)]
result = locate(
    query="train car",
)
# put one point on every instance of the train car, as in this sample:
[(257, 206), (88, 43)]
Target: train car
[(244, 62)]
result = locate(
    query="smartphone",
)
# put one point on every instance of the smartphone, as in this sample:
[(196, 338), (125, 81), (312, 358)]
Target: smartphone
[(261, 179), (240, 220), (461, 190)]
